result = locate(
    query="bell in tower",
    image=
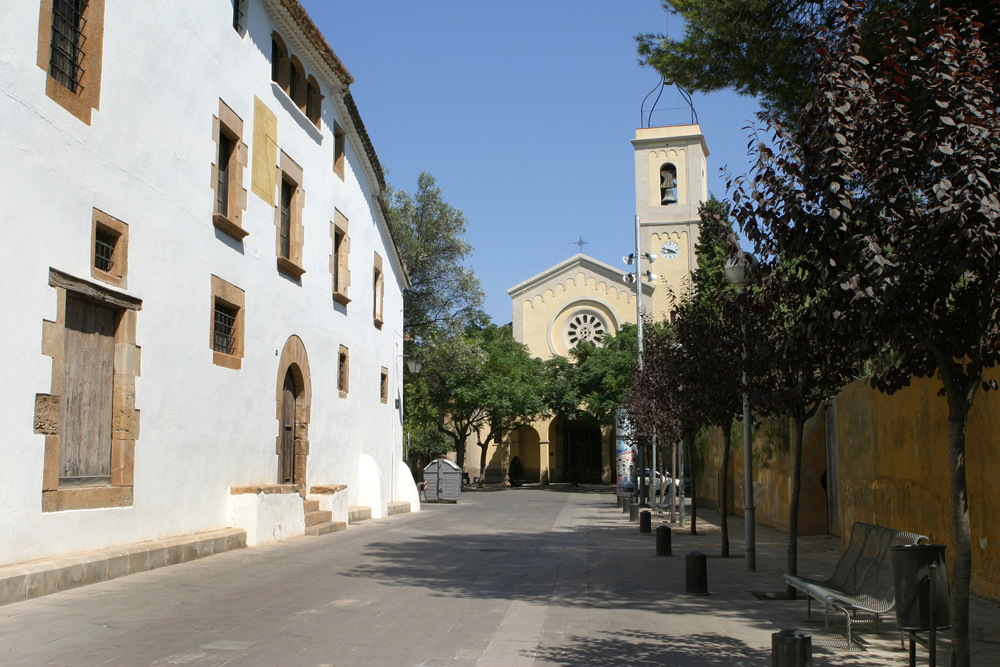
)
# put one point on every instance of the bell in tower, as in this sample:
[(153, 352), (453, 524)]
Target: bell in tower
[(668, 184)]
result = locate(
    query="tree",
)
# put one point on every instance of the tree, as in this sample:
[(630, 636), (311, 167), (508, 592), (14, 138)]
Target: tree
[(443, 298), (602, 373), (444, 293), (890, 192), (452, 370), (761, 47), (510, 388), (798, 367)]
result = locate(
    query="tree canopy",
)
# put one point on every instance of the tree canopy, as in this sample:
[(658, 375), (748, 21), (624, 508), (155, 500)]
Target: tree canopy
[(890, 192), (444, 293), (761, 47)]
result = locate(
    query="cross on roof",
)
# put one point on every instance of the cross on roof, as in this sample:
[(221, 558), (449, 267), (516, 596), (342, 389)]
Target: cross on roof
[(581, 243)]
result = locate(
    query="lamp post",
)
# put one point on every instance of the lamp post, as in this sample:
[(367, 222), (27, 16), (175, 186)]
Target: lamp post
[(413, 364), (738, 270), (636, 278)]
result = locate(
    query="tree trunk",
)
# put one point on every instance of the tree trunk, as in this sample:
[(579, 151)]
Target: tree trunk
[(483, 446), (727, 437), (958, 412), (694, 485), (460, 453), (793, 505)]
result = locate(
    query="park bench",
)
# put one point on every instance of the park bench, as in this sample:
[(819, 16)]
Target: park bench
[(862, 579)]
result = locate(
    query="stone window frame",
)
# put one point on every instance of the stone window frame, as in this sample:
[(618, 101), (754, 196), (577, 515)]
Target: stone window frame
[(118, 275), (289, 171), (280, 69), (228, 123), (340, 272), (313, 105), (383, 385), (234, 297), (88, 98), (240, 10), (343, 371), (378, 292), (339, 150), (125, 418)]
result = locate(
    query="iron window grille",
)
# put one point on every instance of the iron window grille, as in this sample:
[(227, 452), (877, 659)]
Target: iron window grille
[(287, 191), (224, 332), (237, 15), (342, 372), (338, 246), (104, 250), (66, 52), (222, 191)]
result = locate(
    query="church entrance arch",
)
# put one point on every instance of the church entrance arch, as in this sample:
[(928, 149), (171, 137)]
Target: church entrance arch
[(582, 452), (528, 449), (294, 401)]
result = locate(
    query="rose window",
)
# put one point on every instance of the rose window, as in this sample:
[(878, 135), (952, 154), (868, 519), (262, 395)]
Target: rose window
[(584, 326)]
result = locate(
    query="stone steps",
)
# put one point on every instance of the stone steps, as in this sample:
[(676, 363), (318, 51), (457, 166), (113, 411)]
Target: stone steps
[(358, 513), (324, 528)]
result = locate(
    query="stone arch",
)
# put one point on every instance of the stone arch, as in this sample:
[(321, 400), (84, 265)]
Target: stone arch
[(295, 362), (528, 449)]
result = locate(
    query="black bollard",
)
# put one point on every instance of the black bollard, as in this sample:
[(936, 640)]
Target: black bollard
[(663, 541), (626, 501), (791, 648), (645, 521), (633, 511), (696, 573), (618, 499)]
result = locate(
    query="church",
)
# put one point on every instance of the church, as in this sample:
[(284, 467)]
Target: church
[(583, 298)]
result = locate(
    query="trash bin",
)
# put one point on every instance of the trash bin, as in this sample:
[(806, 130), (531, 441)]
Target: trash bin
[(444, 481), (911, 579)]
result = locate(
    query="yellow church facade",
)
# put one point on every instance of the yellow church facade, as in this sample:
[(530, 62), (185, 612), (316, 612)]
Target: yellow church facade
[(582, 299)]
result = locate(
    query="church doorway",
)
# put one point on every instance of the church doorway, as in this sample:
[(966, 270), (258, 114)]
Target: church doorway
[(294, 394), (287, 469), (582, 453)]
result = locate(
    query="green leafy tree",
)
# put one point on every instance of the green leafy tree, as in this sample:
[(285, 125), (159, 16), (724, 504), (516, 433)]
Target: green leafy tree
[(602, 374), (444, 297), (891, 192), (510, 388), (444, 293), (761, 47)]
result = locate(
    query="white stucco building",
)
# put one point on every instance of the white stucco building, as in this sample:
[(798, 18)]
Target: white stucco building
[(202, 297)]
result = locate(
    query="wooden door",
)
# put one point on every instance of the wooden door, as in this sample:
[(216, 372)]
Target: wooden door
[(287, 473), (85, 408)]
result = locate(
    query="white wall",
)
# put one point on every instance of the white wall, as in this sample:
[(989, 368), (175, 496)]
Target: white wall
[(146, 160)]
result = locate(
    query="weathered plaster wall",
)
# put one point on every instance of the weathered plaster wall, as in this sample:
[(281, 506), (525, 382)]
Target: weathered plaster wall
[(146, 159), (893, 470)]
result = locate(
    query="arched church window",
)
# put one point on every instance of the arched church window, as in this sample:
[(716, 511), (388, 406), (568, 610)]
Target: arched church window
[(668, 184), (584, 325), (279, 62)]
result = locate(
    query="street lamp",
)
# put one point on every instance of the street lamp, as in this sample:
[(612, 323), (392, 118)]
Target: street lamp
[(637, 278), (738, 272)]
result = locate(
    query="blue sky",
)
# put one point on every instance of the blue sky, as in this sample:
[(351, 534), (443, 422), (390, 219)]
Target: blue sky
[(523, 110)]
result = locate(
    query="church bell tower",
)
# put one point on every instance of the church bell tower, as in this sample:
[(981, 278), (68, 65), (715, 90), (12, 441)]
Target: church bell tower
[(670, 185)]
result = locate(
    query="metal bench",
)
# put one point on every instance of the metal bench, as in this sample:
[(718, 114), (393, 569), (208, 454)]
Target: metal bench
[(862, 579)]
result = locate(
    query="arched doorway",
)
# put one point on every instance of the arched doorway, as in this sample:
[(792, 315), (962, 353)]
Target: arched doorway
[(582, 447), (294, 398), (527, 449)]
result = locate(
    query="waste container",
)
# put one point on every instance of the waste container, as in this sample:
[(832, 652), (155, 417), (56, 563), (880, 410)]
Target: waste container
[(912, 573), (443, 481)]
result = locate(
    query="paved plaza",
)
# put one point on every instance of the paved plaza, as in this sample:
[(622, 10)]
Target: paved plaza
[(544, 575)]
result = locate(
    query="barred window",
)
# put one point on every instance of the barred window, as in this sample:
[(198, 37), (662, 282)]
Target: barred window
[(67, 46), (224, 331), (238, 12), (104, 249), (222, 191), (287, 193), (343, 371)]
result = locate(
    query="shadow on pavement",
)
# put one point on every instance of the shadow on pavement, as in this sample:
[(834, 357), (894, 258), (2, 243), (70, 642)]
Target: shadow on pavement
[(651, 648)]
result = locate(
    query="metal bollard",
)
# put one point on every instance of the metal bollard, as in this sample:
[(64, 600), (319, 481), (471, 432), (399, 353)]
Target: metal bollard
[(633, 512), (618, 500), (626, 501), (645, 521), (663, 541), (791, 648), (696, 573)]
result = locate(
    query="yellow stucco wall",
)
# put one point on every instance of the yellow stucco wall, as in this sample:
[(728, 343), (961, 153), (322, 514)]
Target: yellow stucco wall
[(893, 471)]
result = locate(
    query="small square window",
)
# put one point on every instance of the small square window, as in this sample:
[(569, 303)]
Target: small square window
[(108, 249), (383, 385), (226, 339), (343, 372), (224, 333)]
